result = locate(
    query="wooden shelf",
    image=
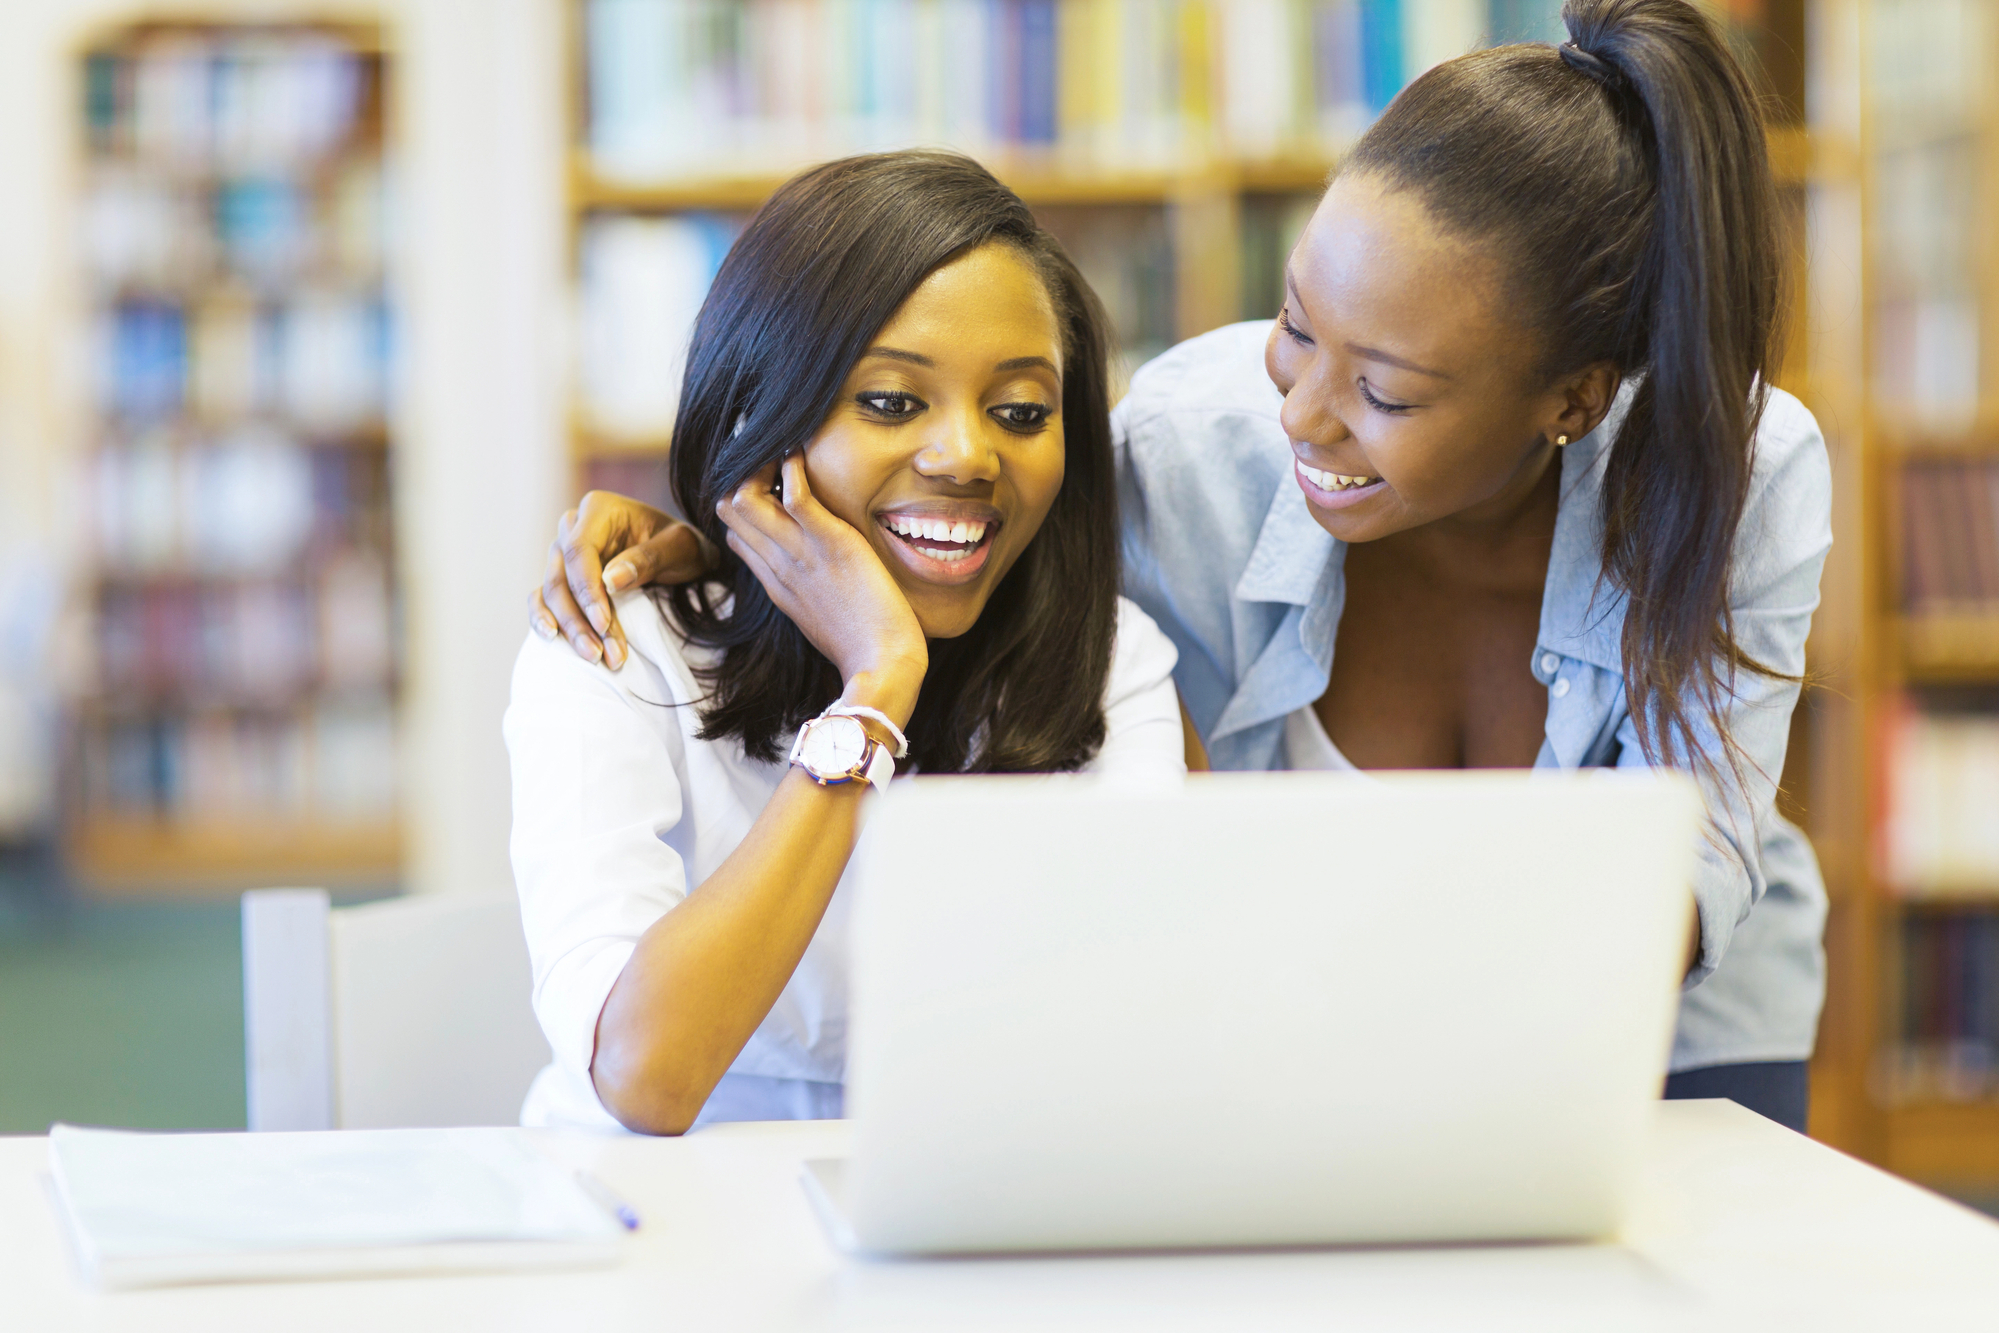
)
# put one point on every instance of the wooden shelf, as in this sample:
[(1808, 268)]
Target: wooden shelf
[(122, 856), (1037, 181), (1938, 1143), (1795, 157), (1950, 649)]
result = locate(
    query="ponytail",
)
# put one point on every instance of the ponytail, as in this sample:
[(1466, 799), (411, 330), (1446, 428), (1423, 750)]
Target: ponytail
[(1623, 182)]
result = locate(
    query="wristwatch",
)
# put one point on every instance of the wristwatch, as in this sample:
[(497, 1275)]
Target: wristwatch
[(835, 749)]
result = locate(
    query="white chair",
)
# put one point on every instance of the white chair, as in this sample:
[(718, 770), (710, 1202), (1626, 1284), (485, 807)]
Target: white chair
[(410, 1012)]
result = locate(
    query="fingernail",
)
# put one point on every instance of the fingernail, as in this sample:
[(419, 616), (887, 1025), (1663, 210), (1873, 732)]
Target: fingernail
[(544, 627), (617, 576), (589, 650), (614, 654), (600, 619)]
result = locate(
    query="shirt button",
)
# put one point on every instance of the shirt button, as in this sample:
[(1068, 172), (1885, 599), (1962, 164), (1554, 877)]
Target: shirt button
[(1559, 688), (1550, 664)]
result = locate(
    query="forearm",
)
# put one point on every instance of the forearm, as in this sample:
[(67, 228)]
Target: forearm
[(705, 974)]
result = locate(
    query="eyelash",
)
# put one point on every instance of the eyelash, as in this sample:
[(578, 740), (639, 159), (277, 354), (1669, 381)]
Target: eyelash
[(1040, 414), (1393, 409), (874, 402), (910, 404)]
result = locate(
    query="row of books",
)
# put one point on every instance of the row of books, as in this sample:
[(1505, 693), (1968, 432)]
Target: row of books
[(1927, 64), (1949, 1048), (335, 762), (1927, 71), (144, 228), (733, 86), (320, 358), (1941, 816), (241, 99), (1950, 536), (251, 502), (234, 242), (643, 278), (331, 628)]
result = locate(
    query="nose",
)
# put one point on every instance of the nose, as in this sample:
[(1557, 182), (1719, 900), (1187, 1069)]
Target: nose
[(958, 450), (1309, 412)]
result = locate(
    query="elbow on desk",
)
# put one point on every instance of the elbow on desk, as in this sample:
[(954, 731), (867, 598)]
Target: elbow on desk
[(648, 1096)]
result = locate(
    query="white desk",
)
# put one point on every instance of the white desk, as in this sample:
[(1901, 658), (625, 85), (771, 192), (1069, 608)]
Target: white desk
[(1742, 1225)]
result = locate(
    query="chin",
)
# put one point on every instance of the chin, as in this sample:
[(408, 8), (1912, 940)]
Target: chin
[(948, 617)]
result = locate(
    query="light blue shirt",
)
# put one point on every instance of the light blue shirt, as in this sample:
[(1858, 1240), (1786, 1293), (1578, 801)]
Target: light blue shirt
[(1220, 548)]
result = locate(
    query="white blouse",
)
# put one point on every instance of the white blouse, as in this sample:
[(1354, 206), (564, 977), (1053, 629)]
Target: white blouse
[(620, 811), (1307, 747)]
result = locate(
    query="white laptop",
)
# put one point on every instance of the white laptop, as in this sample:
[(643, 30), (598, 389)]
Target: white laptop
[(1273, 1009)]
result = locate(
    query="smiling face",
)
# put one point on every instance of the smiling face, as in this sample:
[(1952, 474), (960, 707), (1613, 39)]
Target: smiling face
[(945, 449), (1410, 396)]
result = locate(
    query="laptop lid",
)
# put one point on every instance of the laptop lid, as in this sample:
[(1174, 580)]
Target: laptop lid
[(1261, 1009)]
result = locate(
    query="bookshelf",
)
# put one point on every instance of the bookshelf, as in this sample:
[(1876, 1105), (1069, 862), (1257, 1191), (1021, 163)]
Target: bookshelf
[(1909, 817), (236, 720), (1211, 189)]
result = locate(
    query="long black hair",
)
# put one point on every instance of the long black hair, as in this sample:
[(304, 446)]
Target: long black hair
[(823, 265), (1623, 181)]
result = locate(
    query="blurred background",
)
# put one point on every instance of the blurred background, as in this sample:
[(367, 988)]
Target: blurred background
[(314, 315)]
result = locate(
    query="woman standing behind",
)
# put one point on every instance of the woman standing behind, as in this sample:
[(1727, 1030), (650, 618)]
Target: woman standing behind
[(1505, 484)]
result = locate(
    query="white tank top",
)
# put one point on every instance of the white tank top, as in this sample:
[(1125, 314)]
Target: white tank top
[(1308, 748)]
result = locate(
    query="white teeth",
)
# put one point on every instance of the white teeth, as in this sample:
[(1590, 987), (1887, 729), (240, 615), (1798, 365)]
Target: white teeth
[(964, 532), (1334, 481)]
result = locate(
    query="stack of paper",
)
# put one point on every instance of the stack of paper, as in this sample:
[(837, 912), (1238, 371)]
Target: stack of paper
[(153, 1209)]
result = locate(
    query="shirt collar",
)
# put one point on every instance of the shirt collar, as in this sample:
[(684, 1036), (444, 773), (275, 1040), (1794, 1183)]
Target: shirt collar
[(1582, 613), (1290, 555)]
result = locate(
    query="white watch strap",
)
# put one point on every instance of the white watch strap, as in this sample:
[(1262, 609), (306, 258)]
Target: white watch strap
[(881, 768)]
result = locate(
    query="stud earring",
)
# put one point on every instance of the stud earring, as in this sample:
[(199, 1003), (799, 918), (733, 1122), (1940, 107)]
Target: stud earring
[(1561, 440)]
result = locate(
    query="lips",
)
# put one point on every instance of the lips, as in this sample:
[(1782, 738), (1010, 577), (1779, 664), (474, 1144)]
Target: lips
[(942, 544), (1337, 490)]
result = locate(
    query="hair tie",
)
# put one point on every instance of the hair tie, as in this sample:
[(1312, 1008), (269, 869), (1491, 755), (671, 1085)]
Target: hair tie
[(1595, 66)]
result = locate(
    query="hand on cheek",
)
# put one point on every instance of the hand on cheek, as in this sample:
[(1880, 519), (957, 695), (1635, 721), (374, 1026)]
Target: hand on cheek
[(825, 576)]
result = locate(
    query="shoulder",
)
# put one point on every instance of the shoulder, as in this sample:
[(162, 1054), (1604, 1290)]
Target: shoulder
[(1788, 513), (1143, 655), (1218, 372), (1203, 411), (1790, 447), (1201, 455), (661, 668)]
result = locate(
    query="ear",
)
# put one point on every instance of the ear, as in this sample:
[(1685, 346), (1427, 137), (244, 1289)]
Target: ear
[(1583, 399)]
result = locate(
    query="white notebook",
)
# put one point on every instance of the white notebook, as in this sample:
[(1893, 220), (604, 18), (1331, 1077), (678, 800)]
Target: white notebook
[(155, 1209)]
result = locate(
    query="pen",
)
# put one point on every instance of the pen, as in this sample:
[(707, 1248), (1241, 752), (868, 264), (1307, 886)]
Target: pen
[(601, 1194)]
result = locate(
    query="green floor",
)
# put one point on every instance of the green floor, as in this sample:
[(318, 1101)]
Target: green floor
[(116, 1013), (120, 1015)]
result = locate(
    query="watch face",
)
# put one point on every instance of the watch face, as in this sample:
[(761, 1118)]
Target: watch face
[(833, 745)]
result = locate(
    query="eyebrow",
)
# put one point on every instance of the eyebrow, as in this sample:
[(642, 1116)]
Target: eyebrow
[(1026, 362), (897, 354), (1370, 353), (918, 359)]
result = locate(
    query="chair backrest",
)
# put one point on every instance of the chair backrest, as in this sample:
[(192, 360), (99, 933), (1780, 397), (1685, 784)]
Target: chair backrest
[(409, 1012)]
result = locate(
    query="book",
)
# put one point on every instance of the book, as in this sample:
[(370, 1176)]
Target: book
[(164, 1209)]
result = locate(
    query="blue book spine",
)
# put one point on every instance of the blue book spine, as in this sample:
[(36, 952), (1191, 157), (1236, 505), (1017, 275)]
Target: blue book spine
[(1037, 71), (1381, 51)]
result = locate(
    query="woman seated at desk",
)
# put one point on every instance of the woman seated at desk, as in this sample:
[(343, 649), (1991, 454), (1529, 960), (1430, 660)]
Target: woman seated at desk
[(895, 415), (1511, 447)]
